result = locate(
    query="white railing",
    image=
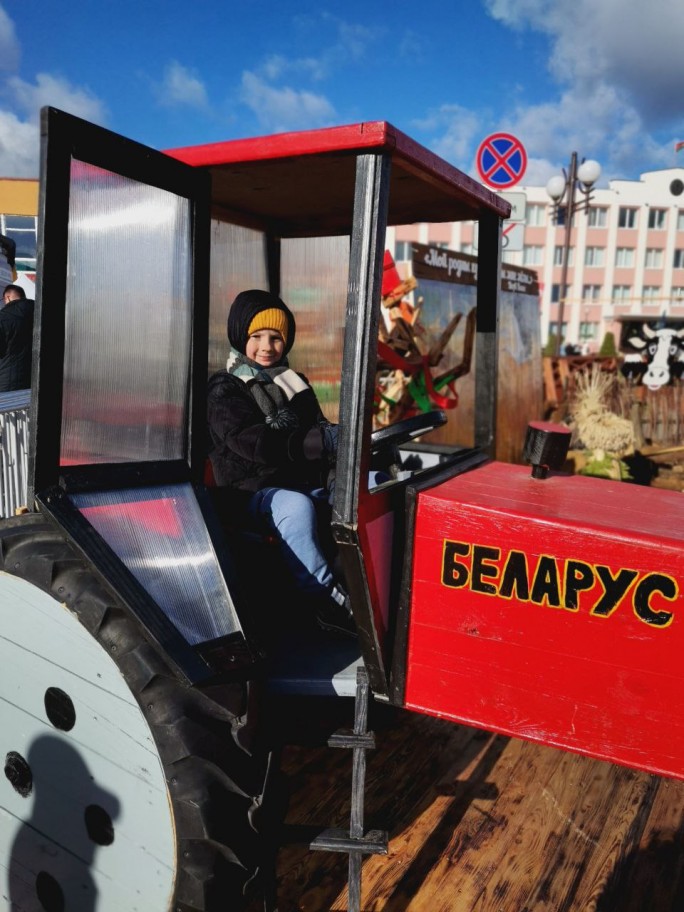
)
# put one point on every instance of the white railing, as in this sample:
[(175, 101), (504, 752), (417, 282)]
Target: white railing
[(14, 440)]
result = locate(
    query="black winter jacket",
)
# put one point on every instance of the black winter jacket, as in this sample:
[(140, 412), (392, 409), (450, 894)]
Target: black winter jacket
[(16, 345), (246, 454)]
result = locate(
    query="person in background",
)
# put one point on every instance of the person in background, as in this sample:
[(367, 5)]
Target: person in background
[(271, 444), (16, 339)]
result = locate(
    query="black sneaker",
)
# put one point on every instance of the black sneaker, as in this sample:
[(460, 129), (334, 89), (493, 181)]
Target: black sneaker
[(335, 616)]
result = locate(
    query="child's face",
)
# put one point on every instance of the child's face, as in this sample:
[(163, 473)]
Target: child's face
[(265, 346)]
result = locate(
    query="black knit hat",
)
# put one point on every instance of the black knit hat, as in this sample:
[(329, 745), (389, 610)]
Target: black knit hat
[(244, 309)]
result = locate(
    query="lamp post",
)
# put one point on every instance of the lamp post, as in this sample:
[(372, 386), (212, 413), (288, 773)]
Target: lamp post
[(562, 190)]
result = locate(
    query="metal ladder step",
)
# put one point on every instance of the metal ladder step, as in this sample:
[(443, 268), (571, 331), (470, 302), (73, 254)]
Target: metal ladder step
[(334, 839)]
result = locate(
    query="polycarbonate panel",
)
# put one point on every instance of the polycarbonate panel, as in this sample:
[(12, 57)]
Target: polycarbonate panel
[(128, 321), (314, 276), (160, 536), (238, 262)]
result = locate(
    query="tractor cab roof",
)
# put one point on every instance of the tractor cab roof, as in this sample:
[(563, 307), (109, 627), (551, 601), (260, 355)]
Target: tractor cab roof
[(302, 184)]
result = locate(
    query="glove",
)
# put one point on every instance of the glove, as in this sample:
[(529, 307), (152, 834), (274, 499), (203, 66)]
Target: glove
[(329, 432), (283, 418)]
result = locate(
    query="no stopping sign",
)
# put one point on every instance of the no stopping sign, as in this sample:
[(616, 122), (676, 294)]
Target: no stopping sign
[(501, 160)]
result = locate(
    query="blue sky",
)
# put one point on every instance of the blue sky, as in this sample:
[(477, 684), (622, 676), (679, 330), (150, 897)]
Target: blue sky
[(604, 78)]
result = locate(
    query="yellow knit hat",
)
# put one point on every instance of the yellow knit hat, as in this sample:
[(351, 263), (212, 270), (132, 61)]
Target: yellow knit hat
[(270, 318)]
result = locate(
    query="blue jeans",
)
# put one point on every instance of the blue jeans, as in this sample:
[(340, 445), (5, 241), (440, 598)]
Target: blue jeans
[(293, 517)]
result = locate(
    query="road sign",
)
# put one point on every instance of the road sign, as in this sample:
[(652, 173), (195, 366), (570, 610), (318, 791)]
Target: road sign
[(512, 236), (501, 160), (518, 203)]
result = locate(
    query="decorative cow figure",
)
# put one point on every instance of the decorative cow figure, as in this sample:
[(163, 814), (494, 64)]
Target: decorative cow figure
[(664, 352)]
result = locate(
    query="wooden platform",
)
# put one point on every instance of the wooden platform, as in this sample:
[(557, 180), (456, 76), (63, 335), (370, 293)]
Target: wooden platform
[(483, 823)]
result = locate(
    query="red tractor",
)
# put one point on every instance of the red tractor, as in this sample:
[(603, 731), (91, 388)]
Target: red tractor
[(137, 668)]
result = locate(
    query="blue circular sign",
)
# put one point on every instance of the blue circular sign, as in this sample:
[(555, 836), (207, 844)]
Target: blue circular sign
[(501, 160)]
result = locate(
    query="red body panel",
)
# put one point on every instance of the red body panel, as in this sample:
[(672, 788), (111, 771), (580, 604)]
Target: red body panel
[(552, 610), (354, 137)]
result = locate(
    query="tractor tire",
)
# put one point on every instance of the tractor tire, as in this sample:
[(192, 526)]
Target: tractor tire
[(125, 790)]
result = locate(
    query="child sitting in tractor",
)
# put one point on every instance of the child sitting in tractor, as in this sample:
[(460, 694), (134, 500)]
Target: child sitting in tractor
[(271, 445)]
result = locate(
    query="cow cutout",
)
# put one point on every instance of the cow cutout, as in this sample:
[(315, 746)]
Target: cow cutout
[(659, 356)]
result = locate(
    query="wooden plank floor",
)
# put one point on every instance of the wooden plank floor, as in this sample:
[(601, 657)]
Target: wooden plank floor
[(483, 823)]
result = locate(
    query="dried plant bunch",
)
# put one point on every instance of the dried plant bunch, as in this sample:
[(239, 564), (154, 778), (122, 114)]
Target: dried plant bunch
[(595, 426)]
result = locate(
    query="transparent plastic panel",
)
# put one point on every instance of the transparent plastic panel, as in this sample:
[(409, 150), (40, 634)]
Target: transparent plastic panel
[(238, 262), (160, 536), (128, 321), (314, 276)]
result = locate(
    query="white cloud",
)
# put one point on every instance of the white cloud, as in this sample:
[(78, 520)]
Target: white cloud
[(9, 46), (600, 126), (19, 133), (180, 86), (19, 143), (457, 129), (413, 46), (517, 13), (57, 93), (353, 39), (553, 129), (349, 42), (273, 89), (277, 66), (281, 109), (631, 45)]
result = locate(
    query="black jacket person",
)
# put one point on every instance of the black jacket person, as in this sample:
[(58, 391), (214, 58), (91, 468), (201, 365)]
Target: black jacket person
[(271, 446), (16, 340)]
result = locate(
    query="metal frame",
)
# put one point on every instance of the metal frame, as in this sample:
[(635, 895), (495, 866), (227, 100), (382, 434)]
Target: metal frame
[(356, 392), (373, 172), (214, 659), (358, 365), (64, 137), (55, 504)]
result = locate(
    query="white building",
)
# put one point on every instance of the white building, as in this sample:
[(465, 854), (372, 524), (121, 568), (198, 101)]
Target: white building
[(626, 254)]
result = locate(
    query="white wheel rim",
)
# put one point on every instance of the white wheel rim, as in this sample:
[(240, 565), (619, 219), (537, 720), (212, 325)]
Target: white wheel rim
[(105, 767)]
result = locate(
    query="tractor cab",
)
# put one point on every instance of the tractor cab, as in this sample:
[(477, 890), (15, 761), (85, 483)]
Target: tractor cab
[(141, 254)]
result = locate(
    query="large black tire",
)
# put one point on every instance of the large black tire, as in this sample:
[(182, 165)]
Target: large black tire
[(214, 765)]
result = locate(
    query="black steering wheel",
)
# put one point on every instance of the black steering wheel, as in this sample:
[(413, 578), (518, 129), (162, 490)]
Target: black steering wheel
[(401, 431)]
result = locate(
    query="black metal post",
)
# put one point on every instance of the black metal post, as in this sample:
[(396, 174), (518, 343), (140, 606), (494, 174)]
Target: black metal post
[(569, 197), (358, 780), (487, 340)]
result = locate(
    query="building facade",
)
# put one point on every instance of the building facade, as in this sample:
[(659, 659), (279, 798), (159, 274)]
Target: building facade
[(626, 254), (18, 220)]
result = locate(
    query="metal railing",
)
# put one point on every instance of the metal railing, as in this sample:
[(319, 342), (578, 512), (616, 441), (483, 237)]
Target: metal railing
[(14, 441)]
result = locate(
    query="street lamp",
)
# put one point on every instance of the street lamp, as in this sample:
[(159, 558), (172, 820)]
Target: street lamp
[(562, 190)]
